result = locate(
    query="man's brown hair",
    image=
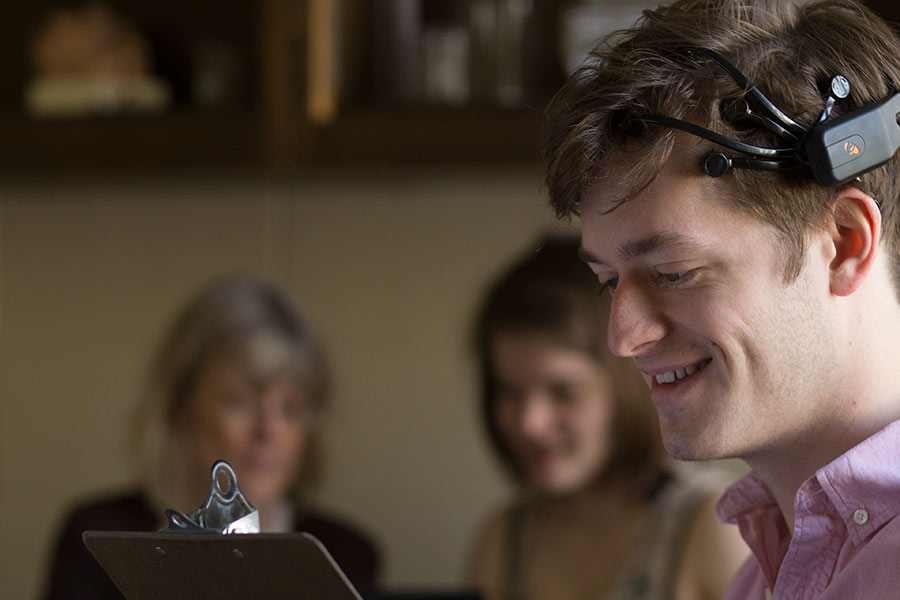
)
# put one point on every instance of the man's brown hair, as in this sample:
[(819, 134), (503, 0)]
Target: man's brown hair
[(789, 50)]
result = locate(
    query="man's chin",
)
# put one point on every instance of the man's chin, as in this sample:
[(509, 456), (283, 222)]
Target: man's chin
[(690, 449)]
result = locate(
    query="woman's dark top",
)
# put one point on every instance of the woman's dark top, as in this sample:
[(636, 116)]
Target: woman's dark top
[(75, 575)]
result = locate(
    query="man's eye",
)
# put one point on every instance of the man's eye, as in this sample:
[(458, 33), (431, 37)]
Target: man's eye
[(678, 278), (610, 285), (673, 277)]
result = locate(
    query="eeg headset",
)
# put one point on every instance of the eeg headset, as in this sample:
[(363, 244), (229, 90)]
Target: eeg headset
[(835, 150)]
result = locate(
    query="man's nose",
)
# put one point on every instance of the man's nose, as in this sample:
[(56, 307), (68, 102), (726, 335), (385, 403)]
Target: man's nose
[(636, 322)]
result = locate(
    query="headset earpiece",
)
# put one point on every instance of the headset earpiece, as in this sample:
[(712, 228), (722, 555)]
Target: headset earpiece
[(715, 164)]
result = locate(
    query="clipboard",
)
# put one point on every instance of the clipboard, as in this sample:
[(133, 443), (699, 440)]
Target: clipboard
[(191, 566)]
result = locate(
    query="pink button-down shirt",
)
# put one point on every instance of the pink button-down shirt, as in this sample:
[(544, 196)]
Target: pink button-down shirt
[(846, 539)]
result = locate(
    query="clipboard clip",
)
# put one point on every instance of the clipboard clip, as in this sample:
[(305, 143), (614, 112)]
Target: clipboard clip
[(225, 510)]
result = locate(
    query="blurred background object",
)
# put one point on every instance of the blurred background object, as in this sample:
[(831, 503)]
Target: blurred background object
[(90, 61), (494, 53), (274, 85), (388, 262), (239, 376), (279, 85), (583, 22)]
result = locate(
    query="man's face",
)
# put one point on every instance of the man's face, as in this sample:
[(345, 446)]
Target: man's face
[(736, 359)]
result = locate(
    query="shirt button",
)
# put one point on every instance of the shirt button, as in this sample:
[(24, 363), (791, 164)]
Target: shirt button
[(861, 516)]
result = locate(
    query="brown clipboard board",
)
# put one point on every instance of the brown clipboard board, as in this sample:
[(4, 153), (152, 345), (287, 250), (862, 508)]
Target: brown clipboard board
[(193, 566)]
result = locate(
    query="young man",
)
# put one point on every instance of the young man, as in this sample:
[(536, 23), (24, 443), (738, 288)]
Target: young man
[(757, 290)]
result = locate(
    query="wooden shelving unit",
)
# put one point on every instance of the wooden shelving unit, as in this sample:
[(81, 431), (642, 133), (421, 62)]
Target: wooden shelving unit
[(309, 97), (316, 88), (430, 136)]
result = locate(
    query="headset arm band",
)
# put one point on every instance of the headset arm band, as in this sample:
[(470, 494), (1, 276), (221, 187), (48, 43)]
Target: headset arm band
[(716, 138), (739, 78)]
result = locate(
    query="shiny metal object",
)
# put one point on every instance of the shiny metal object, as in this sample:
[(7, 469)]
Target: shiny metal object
[(224, 511)]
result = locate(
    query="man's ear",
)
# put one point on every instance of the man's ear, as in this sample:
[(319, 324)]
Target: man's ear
[(856, 239)]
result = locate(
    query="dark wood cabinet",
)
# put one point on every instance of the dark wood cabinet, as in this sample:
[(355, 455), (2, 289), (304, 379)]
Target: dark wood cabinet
[(308, 82), (255, 122)]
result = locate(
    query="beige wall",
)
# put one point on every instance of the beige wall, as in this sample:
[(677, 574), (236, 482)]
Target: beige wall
[(388, 264)]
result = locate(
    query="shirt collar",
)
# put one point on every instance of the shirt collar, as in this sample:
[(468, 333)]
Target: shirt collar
[(863, 484), (865, 478), (747, 494)]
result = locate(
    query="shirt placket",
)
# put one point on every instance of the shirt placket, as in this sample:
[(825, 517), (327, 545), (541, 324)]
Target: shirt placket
[(811, 558)]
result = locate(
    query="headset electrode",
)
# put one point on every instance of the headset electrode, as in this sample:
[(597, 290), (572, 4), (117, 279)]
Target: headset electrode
[(834, 150)]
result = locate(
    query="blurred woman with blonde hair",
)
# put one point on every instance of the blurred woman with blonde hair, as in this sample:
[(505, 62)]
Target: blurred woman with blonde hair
[(239, 376)]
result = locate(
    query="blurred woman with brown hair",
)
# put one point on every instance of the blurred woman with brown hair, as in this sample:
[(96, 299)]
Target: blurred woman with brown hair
[(601, 511)]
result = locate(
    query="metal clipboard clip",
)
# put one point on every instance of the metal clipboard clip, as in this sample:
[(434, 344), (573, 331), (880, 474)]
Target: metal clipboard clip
[(225, 510)]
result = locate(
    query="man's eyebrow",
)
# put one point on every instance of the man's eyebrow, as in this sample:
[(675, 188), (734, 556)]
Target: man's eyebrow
[(634, 249)]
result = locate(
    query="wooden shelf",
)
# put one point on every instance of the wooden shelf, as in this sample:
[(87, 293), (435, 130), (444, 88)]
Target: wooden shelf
[(184, 139), (437, 135), (297, 73)]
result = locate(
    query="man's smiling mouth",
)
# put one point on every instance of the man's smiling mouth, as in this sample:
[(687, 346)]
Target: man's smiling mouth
[(681, 373)]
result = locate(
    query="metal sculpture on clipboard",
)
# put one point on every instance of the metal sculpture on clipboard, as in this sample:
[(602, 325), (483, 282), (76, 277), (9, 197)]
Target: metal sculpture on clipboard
[(225, 509)]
